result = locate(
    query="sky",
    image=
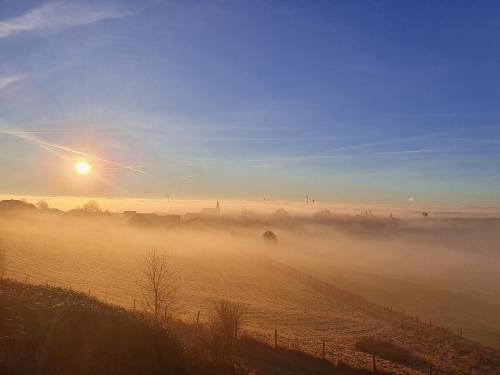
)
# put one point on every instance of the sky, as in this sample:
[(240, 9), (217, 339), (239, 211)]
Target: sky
[(345, 101)]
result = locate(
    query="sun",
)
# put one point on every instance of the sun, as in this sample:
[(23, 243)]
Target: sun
[(82, 167)]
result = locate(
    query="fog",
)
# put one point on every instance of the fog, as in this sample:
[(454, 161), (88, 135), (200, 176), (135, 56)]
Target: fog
[(265, 206), (441, 269)]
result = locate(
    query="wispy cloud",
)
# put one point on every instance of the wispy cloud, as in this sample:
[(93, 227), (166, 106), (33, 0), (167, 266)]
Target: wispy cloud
[(6, 81), (190, 176), (57, 15), (403, 152)]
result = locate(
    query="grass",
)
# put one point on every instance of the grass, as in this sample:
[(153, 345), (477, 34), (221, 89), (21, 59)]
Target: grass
[(289, 361), (389, 351), (48, 330)]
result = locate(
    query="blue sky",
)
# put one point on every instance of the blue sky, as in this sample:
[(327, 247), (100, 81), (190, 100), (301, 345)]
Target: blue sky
[(352, 101)]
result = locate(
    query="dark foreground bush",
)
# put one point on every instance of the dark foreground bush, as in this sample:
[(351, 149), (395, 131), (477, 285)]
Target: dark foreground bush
[(217, 346), (45, 332)]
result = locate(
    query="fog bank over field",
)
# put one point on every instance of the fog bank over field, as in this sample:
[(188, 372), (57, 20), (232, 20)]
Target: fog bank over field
[(265, 206), (440, 268)]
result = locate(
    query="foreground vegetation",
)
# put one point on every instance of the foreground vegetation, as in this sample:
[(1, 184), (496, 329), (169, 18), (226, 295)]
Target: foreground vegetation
[(49, 330), (294, 290)]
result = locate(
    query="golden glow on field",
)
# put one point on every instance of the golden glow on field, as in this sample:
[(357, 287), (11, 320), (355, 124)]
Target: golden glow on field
[(82, 167)]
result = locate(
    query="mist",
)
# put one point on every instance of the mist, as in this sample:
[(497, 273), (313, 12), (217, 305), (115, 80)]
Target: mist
[(440, 269)]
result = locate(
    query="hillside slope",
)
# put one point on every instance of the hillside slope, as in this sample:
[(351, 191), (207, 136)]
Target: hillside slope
[(48, 330)]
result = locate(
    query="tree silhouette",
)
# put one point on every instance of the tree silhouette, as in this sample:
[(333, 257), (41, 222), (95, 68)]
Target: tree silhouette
[(158, 284), (41, 204), (92, 206)]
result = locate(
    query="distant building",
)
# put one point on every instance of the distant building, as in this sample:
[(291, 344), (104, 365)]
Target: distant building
[(14, 204), (14, 207), (205, 213), (193, 216), (152, 220), (140, 221), (169, 220), (211, 212)]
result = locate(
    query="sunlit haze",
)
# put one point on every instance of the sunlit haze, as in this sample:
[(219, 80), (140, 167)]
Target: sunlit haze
[(249, 187), (342, 101)]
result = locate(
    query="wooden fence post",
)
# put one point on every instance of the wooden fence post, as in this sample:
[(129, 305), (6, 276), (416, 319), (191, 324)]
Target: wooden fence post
[(27, 277), (198, 318), (323, 351), (134, 305), (374, 363), (275, 338)]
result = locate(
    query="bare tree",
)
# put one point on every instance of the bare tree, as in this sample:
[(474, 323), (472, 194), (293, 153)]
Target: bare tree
[(158, 284), (92, 207), (41, 204)]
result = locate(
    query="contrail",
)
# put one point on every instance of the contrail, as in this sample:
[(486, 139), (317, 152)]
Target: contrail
[(190, 176), (24, 137)]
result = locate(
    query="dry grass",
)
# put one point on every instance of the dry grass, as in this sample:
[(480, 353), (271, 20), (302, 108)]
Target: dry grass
[(390, 352), (47, 330), (223, 260), (51, 330)]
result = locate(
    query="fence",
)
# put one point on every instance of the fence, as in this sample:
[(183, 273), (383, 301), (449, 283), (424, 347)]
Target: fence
[(325, 350)]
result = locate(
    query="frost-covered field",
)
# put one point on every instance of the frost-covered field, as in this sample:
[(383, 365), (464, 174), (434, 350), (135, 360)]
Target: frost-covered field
[(439, 271)]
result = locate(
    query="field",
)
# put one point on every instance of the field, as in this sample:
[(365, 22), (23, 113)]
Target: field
[(334, 281)]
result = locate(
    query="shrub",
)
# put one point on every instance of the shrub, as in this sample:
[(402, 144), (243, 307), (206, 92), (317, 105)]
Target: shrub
[(53, 331), (270, 238), (225, 320)]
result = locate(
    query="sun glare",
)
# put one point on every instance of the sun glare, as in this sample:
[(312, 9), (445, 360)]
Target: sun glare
[(82, 167)]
